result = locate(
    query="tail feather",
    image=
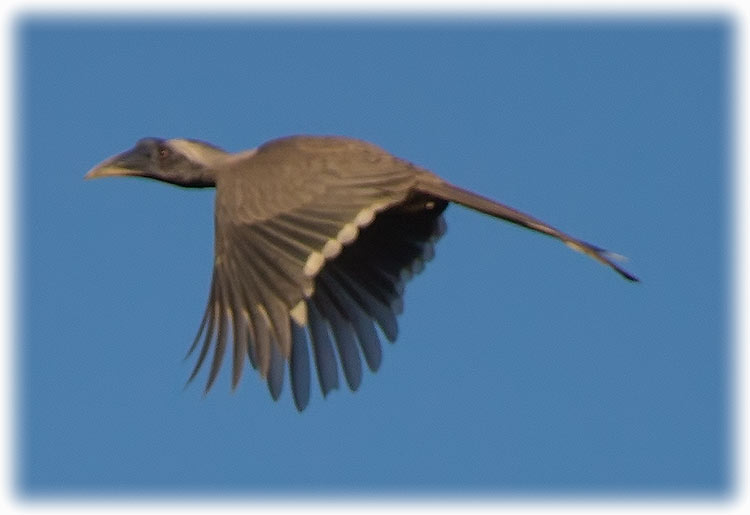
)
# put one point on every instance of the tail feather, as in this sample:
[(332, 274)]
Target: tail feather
[(446, 191)]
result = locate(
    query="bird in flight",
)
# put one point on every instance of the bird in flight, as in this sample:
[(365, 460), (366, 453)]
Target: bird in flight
[(315, 238)]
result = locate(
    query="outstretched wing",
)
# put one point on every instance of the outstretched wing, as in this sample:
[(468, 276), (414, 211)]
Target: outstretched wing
[(321, 255), (315, 239)]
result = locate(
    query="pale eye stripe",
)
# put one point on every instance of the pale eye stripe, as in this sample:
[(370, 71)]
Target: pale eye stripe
[(196, 152)]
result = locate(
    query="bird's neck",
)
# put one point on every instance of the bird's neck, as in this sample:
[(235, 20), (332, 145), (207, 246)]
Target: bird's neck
[(205, 178), (206, 167)]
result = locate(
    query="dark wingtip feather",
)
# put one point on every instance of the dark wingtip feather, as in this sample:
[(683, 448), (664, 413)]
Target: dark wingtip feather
[(208, 336), (219, 349), (343, 334), (239, 350), (325, 359), (202, 327), (275, 379), (299, 368)]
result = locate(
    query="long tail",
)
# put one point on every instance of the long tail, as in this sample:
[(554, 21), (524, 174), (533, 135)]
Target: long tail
[(447, 191)]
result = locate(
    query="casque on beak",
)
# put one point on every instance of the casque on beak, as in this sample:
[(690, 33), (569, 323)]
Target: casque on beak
[(133, 162)]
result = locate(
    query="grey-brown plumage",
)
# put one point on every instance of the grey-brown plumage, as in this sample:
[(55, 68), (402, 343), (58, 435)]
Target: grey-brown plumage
[(315, 240)]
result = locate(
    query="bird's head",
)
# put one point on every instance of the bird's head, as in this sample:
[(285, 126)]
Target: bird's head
[(184, 162)]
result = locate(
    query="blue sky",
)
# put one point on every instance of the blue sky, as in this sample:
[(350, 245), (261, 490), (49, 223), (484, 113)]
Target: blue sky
[(521, 367)]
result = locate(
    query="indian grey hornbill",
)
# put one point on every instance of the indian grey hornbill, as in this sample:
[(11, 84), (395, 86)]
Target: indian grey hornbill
[(314, 236)]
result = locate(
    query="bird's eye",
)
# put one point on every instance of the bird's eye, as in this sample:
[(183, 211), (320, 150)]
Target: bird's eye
[(163, 152)]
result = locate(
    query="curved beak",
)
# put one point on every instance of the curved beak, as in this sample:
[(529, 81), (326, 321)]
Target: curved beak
[(133, 163)]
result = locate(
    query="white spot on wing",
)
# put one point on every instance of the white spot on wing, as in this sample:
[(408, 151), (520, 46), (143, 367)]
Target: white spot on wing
[(347, 234), (313, 264), (364, 217), (299, 313), (331, 249), (333, 246)]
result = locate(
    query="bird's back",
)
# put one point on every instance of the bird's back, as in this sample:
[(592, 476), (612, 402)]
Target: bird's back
[(288, 173)]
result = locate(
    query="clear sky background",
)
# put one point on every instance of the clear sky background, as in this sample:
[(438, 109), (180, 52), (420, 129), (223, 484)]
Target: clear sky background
[(521, 366)]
